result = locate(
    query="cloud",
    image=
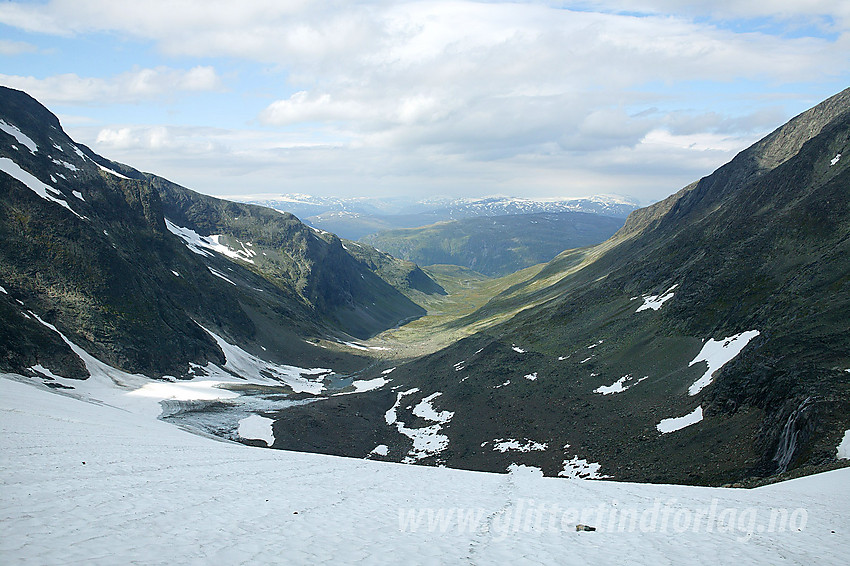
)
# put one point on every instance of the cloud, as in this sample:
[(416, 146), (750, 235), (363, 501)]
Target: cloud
[(825, 12), (133, 86), (646, 94), (16, 47), (443, 66), (184, 141), (222, 161)]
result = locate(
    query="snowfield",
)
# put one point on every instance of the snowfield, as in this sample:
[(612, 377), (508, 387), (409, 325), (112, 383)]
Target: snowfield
[(673, 424), (22, 138), (97, 484), (655, 302), (717, 353), (205, 245)]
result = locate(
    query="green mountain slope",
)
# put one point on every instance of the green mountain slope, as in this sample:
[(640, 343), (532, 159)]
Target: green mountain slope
[(496, 245)]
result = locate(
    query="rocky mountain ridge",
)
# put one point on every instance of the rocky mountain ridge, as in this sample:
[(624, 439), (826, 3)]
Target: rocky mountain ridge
[(133, 267)]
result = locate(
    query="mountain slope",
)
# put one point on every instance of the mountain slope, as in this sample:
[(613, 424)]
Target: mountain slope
[(92, 247), (315, 266), (706, 342), (496, 245)]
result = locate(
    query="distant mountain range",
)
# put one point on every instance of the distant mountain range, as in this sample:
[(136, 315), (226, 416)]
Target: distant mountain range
[(354, 218), (496, 245)]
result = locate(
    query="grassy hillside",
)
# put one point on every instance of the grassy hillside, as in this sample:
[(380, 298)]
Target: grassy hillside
[(498, 245)]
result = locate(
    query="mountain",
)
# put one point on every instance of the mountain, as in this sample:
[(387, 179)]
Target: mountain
[(354, 218), (496, 245), (605, 205), (706, 342), (151, 277)]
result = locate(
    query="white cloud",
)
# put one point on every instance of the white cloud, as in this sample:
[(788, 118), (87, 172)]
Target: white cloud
[(808, 11), (455, 72), (180, 141), (16, 47), (436, 94), (132, 86)]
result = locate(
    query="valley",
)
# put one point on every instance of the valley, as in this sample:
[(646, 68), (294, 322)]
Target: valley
[(424, 282), (702, 340)]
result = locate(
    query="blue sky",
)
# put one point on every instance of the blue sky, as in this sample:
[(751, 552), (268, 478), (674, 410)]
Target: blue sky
[(451, 98)]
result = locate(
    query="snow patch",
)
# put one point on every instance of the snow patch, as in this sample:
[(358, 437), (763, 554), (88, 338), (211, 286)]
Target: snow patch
[(221, 275), (842, 451), (390, 416), (79, 195), (380, 450), (678, 423), (508, 382), (106, 169), (427, 441), (835, 159), (364, 385), (205, 245), (513, 445), (619, 386), (256, 427), (655, 302), (357, 346), (579, 468), (66, 165), (425, 410), (184, 391), (387, 371), (41, 189), (44, 371), (16, 133), (248, 366), (717, 353), (517, 349), (531, 376)]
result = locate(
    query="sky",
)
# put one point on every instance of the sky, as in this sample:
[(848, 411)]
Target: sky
[(428, 98)]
